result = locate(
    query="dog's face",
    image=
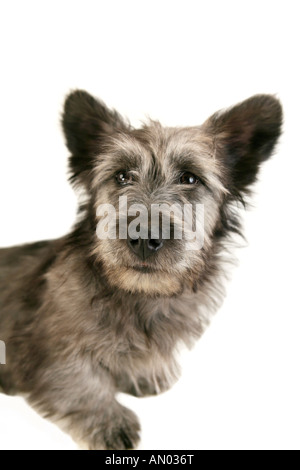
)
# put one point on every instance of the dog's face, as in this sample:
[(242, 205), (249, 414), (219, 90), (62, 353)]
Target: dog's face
[(210, 166)]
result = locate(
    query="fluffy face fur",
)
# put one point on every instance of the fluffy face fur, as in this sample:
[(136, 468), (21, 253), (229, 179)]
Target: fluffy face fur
[(84, 318)]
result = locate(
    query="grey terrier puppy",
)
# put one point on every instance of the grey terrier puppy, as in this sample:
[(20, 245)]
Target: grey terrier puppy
[(85, 317)]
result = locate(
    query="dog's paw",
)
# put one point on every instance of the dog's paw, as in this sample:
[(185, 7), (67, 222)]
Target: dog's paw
[(120, 431)]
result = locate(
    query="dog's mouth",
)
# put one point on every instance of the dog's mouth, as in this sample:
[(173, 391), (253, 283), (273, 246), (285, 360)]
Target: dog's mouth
[(144, 268)]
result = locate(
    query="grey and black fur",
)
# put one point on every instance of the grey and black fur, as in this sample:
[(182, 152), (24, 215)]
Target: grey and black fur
[(84, 318)]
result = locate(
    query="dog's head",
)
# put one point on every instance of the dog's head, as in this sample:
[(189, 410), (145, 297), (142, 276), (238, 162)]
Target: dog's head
[(180, 175)]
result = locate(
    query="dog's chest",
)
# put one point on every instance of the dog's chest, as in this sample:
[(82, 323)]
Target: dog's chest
[(138, 332)]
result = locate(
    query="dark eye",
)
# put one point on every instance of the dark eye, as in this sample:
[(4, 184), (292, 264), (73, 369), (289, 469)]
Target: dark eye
[(124, 177), (188, 178)]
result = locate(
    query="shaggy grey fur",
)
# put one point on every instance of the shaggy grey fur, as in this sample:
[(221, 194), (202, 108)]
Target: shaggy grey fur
[(84, 318)]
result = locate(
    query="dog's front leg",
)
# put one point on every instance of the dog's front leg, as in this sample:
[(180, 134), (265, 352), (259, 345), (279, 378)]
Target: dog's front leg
[(151, 379), (141, 387), (82, 401)]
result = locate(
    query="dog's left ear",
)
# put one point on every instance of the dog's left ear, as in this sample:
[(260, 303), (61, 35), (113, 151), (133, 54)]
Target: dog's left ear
[(86, 122), (244, 136)]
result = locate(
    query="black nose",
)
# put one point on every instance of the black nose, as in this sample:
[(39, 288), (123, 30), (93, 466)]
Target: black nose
[(145, 248)]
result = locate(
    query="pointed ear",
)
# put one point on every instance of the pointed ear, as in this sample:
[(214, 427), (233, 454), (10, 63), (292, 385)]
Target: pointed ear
[(86, 121), (245, 136)]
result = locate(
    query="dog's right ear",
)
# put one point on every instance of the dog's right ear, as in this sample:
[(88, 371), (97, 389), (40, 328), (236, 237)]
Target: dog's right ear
[(86, 121)]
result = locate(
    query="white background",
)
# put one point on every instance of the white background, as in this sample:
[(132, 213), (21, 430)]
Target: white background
[(177, 61)]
